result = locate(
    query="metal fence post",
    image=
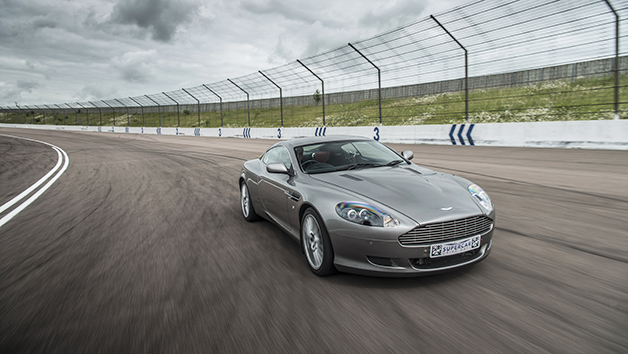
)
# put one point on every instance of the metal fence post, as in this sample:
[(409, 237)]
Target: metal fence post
[(248, 106), (53, 114), (142, 107), (466, 70), (75, 114), (379, 81), (616, 117), (210, 90), (128, 120), (198, 105), (158, 108), (113, 110), (99, 112), (63, 110), (322, 86), (86, 111), (14, 114), (43, 113), (280, 95), (178, 113), (25, 113)]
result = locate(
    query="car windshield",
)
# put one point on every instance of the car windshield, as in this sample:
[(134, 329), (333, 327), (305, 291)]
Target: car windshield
[(345, 155)]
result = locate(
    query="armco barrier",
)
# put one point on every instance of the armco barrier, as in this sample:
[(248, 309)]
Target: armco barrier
[(597, 134)]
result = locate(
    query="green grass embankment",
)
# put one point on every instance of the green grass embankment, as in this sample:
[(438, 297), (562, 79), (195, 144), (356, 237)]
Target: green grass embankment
[(582, 99)]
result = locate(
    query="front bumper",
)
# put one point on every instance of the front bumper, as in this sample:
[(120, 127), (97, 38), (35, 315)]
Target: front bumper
[(390, 258)]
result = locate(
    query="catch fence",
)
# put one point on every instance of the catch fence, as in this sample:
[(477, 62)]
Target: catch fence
[(486, 61)]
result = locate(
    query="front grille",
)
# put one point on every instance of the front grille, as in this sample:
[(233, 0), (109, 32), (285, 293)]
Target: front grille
[(446, 231)]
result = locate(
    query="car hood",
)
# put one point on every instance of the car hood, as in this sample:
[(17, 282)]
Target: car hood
[(419, 193)]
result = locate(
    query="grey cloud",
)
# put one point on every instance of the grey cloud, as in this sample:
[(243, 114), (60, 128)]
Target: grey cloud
[(10, 94), (324, 26), (17, 18), (95, 92), (135, 67), (281, 53), (20, 8), (160, 17), (8, 31), (401, 13), (274, 7), (27, 86), (13, 92), (305, 12), (44, 23)]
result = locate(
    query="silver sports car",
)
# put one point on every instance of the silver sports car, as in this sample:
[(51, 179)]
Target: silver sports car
[(356, 205)]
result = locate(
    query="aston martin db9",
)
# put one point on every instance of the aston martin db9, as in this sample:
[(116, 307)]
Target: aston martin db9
[(355, 205)]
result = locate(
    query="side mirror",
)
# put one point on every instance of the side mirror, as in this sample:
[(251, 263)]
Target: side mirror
[(277, 168), (408, 155)]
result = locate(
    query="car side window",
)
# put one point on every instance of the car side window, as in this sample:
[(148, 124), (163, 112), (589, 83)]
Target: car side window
[(267, 156), (278, 154)]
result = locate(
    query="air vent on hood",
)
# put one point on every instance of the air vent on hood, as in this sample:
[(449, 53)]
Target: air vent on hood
[(351, 177)]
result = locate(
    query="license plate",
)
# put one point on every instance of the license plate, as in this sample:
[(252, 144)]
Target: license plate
[(449, 248)]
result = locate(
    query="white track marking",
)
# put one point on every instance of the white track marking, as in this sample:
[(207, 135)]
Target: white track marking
[(10, 203), (62, 158)]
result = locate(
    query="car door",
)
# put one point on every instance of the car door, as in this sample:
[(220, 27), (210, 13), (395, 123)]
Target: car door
[(274, 186)]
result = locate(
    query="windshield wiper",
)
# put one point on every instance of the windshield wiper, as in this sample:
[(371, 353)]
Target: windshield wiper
[(393, 162), (358, 165), (370, 164)]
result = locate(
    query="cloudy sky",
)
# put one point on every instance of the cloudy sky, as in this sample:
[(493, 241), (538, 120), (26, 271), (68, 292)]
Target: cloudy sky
[(56, 51)]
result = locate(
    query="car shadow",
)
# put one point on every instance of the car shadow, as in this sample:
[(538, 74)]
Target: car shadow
[(386, 282)]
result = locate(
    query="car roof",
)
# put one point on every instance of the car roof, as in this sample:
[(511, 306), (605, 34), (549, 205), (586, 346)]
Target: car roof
[(320, 139)]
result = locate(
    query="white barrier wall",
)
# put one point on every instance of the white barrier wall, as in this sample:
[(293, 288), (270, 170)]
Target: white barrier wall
[(597, 134)]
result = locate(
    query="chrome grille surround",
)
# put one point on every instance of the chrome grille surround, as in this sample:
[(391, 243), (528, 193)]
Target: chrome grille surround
[(447, 231)]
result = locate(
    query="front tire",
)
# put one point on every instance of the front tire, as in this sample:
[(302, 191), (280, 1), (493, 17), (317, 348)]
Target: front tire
[(246, 205), (316, 244)]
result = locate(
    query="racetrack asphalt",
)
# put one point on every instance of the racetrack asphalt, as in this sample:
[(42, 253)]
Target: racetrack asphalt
[(140, 247)]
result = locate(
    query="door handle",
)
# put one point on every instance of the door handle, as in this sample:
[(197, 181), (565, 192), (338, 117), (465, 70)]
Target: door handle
[(293, 196)]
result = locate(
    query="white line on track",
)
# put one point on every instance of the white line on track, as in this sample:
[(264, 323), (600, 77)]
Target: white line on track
[(62, 158)]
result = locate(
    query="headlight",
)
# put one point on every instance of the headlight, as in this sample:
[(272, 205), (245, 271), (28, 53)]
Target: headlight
[(364, 214), (480, 195)]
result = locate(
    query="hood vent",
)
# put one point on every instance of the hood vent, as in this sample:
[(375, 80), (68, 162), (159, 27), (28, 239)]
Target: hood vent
[(351, 177), (415, 171)]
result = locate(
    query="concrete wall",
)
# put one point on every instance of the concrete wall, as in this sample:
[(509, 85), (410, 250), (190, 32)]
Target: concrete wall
[(599, 134)]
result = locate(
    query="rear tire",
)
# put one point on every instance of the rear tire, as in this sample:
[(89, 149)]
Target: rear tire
[(246, 205), (316, 244)]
